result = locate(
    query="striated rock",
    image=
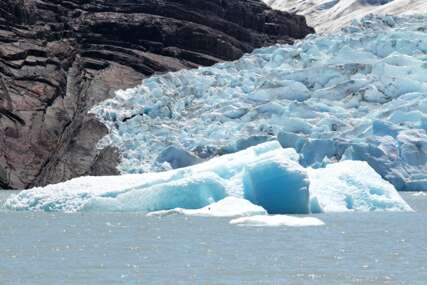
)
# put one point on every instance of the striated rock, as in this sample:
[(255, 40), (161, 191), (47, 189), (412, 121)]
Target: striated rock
[(59, 58)]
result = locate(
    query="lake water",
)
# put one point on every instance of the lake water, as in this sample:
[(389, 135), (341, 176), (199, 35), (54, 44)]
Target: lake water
[(123, 248)]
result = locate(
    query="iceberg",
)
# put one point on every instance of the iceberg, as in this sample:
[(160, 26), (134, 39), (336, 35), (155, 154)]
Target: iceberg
[(193, 187), (277, 221), (227, 207), (259, 179), (359, 94), (352, 186)]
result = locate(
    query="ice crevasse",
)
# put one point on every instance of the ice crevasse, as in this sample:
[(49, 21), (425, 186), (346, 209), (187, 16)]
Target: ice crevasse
[(260, 179), (358, 94)]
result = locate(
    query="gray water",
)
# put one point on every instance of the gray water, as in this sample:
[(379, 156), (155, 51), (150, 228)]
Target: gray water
[(129, 248)]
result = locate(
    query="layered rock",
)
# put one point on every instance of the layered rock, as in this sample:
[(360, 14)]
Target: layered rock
[(59, 58)]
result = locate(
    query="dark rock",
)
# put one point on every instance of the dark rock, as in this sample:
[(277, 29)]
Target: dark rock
[(59, 58)]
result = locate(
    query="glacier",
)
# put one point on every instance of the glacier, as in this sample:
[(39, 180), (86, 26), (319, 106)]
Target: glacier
[(267, 176), (328, 16), (358, 94)]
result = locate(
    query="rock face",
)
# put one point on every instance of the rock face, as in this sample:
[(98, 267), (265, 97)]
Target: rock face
[(59, 58)]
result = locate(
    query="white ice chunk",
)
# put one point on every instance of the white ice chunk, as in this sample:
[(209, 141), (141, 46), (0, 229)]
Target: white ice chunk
[(352, 186), (227, 207), (277, 221)]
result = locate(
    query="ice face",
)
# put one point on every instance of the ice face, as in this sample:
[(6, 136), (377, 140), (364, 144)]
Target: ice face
[(360, 94), (265, 175), (278, 187)]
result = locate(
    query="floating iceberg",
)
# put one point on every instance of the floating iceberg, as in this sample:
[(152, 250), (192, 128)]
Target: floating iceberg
[(354, 186), (266, 175), (277, 221), (193, 187), (360, 94), (227, 207)]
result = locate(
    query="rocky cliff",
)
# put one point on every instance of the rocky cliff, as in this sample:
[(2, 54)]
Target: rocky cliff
[(59, 58)]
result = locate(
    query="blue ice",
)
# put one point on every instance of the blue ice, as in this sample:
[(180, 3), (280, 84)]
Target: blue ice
[(266, 175), (360, 94)]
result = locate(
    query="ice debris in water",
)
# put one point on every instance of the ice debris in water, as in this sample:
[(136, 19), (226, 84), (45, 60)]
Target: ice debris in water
[(266, 175), (360, 94), (227, 207), (276, 221)]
